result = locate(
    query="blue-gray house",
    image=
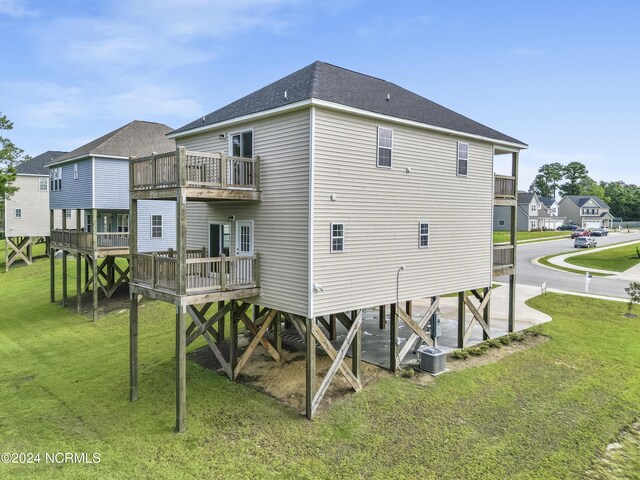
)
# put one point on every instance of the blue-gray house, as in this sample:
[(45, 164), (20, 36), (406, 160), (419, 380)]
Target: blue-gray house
[(92, 181)]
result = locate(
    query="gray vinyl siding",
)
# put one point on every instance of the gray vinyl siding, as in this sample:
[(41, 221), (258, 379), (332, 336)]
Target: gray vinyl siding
[(569, 210), (502, 213), (280, 218), (167, 209), (75, 193), (381, 209), (111, 183)]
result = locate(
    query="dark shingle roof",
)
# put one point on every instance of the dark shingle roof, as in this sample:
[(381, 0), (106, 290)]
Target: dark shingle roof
[(580, 200), (546, 201), (327, 82), (135, 139), (525, 197), (36, 166)]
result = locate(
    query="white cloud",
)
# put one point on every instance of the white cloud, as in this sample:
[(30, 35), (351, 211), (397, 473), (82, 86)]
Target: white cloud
[(16, 8)]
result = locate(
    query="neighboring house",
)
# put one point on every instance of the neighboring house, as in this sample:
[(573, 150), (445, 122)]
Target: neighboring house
[(586, 211), (26, 213), (319, 195), (92, 181), (534, 212)]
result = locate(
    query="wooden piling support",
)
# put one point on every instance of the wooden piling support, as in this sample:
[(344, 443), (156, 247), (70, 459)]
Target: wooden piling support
[(486, 314), (181, 370), (393, 338), (233, 338), (382, 317), (221, 323), (512, 303), (52, 263), (356, 346), (277, 332), (310, 367), (133, 348), (461, 319)]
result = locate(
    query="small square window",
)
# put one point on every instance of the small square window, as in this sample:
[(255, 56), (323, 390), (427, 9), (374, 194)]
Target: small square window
[(385, 145), (501, 223), (423, 239), (156, 226), (68, 213), (43, 185), (18, 213), (463, 159), (337, 237)]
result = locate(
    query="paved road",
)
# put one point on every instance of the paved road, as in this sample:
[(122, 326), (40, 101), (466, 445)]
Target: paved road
[(530, 274)]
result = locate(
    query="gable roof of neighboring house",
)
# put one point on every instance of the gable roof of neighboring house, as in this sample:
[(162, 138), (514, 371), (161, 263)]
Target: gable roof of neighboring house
[(137, 138), (547, 201), (329, 83), (580, 200), (525, 197), (36, 166)]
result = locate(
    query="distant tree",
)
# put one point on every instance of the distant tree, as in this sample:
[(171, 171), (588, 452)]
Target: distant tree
[(10, 156), (576, 176), (547, 181), (589, 186)]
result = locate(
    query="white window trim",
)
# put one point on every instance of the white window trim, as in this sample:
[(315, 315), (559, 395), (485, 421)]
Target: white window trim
[(420, 234), (240, 132), (331, 237), (161, 226), (46, 184), (15, 213), (458, 160), (378, 148), (75, 171)]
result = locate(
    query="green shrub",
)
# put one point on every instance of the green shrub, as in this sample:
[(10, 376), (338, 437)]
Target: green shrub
[(505, 340), (516, 337), (479, 350), (460, 354), (494, 343), (407, 372), (535, 330)]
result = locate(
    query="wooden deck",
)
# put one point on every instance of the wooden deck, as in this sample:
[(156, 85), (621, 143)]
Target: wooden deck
[(113, 243), (206, 279), (503, 260), (505, 190), (200, 175)]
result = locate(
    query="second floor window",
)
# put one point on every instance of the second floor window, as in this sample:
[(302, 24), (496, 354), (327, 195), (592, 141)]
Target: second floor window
[(385, 146), (423, 239), (156, 226), (56, 178), (122, 222), (75, 171), (18, 213), (337, 237), (43, 185), (242, 144), (463, 159)]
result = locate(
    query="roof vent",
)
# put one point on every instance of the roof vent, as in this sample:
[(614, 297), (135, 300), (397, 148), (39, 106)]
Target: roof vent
[(285, 94), (388, 97), (204, 119)]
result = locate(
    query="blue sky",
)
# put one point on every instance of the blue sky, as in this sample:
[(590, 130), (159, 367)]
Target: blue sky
[(562, 76)]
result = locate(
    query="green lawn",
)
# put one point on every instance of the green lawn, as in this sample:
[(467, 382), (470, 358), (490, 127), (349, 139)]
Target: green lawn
[(546, 412), (614, 259), (503, 237)]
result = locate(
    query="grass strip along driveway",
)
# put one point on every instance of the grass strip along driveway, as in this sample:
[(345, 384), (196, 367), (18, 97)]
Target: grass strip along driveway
[(503, 237), (613, 259), (546, 412)]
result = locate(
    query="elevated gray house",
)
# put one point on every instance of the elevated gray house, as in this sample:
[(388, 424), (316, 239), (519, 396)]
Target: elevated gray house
[(534, 212), (317, 196), (92, 181), (586, 211), (26, 213)]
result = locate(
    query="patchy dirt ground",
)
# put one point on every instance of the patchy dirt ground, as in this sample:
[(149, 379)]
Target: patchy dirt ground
[(286, 381), (621, 458), (118, 301)]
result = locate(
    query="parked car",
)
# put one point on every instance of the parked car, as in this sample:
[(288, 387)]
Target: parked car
[(599, 232), (580, 232), (585, 242), (567, 227)]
